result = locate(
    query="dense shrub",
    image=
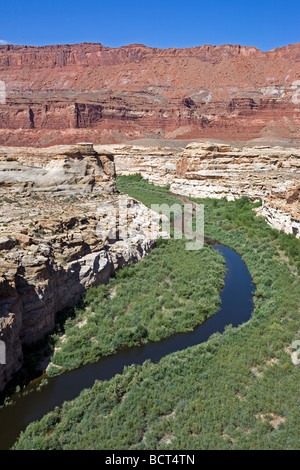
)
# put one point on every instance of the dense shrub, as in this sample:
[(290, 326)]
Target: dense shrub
[(171, 290), (239, 390)]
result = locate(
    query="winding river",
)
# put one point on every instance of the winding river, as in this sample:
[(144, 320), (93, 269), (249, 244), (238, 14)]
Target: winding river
[(236, 308)]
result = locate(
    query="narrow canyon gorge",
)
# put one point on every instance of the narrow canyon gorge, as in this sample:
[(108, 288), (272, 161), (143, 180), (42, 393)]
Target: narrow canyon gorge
[(209, 122), (55, 238), (213, 170)]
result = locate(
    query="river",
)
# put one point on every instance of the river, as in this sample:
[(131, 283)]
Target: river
[(236, 308)]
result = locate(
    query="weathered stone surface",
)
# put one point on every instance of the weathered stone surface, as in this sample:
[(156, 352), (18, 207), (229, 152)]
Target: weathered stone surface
[(54, 242), (218, 170), (271, 174), (279, 219), (59, 94), (67, 169), (65, 258), (158, 164), (10, 327)]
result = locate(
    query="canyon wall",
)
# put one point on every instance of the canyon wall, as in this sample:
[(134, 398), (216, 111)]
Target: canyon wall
[(155, 163), (214, 170), (63, 169), (57, 237), (271, 174), (65, 93)]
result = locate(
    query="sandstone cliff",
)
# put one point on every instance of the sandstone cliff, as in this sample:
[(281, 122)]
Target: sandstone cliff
[(214, 170), (60, 94), (68, 169), (56, 239)]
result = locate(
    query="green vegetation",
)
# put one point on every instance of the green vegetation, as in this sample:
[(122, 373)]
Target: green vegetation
[(236, 222), (170, 290), (138, 188), (239, 390)]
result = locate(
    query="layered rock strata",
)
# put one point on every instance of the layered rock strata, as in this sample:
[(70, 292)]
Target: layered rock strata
[(59, 94), (62, 169), (58, 237), (157, 164), (213, 170)]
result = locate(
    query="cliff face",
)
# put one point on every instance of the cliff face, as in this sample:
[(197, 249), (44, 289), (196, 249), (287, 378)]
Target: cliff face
[(269, 174), (56, 211), (158, 164), (64, 169), (60, 94), (208, 169)]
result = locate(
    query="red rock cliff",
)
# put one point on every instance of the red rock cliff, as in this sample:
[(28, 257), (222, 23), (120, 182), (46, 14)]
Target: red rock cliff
[(59, 94)]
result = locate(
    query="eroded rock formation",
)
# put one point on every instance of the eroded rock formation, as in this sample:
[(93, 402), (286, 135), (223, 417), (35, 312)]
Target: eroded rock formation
[(214, 170), (60, 94), (68, 169), (271, 174), (158, 164), (56, 239)]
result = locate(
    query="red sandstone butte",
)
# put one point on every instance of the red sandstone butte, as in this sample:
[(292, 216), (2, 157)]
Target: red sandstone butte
[(65, 93)]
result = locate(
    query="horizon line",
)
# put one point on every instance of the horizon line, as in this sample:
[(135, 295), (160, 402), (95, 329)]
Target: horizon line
[(148, 47)]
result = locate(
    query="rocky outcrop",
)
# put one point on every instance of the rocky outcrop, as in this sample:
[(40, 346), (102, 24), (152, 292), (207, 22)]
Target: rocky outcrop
[(59, 94), (281, 208), (157, 164), (58, 237), (280, 219), (271, 174), (218, 170), (68, 169), (49, 265)]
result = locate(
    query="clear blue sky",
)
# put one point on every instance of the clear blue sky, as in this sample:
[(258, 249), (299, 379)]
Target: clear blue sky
[(265, 24)]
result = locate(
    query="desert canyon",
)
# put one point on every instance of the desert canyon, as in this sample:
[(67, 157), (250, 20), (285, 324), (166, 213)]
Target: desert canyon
[(210, 121), (87, 92), (55, 238), (214, 170)]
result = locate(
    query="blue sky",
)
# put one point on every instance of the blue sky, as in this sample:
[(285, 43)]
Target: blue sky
[(265, 24)]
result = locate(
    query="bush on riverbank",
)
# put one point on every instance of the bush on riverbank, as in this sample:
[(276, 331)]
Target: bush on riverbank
[(170, 290), (239, 390)]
